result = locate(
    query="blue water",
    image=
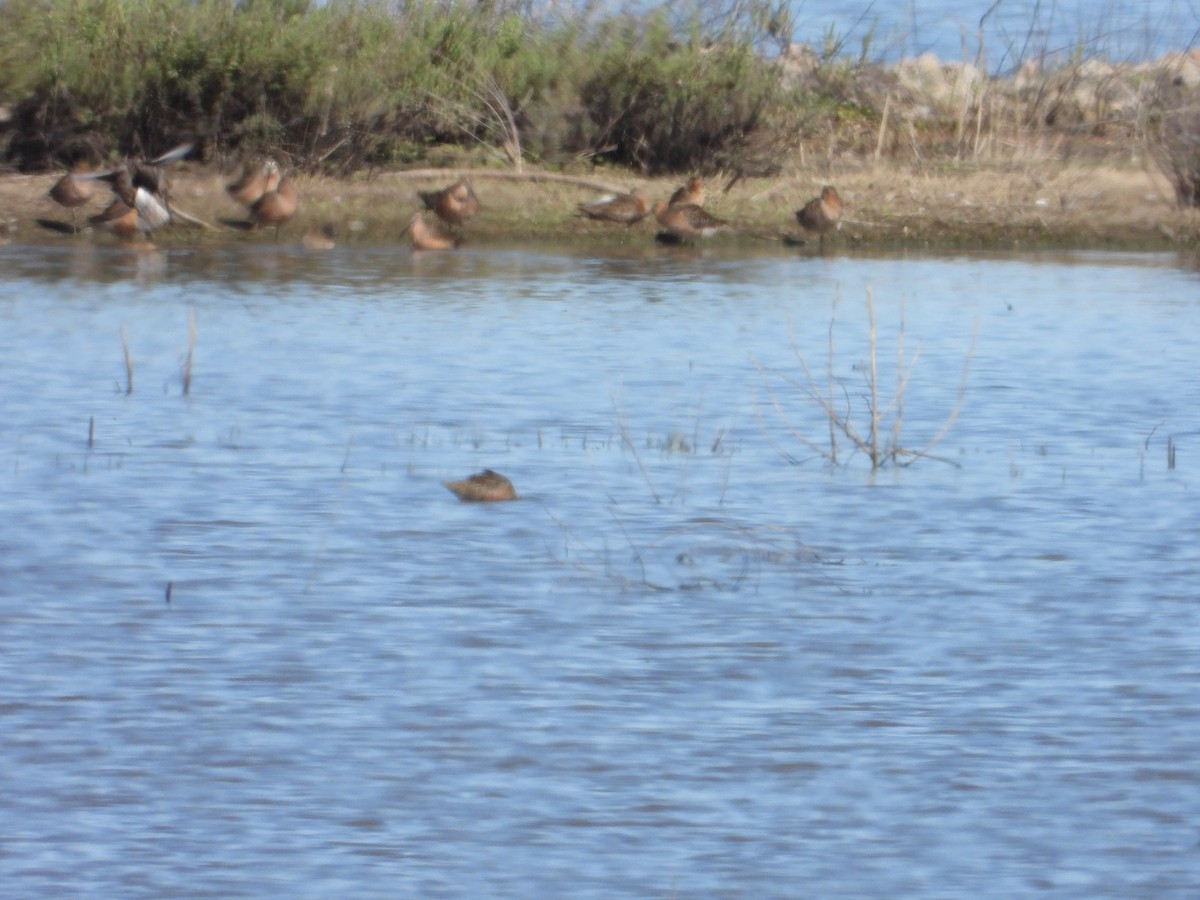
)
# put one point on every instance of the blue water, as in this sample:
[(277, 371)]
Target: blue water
[(1011, 31), (697, 658)]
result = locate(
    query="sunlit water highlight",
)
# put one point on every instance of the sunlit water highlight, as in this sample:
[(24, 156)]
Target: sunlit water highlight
[(694, 660)]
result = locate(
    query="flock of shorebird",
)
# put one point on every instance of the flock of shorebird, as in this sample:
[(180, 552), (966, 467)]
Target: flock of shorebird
[(684, 218), (140, 205), (140, 201)]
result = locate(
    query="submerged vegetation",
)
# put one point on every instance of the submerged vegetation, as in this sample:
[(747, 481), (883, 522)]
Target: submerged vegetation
[(712, 86)]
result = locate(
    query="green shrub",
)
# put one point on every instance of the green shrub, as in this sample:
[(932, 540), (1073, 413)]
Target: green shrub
[(666, 106), (347, 83)]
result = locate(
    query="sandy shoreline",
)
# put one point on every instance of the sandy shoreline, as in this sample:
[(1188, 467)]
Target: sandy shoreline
[(1053, 206)]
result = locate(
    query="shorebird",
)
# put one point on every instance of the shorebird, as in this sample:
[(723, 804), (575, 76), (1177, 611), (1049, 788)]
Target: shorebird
[(275, 208), (454, 204), (626, 209), (256, 180), (152, 174), (821, 214), (140, 204), (687, 221), (134, 210), (692, 192), (323, 238), (73, 190), (483, 487), (429, 235)]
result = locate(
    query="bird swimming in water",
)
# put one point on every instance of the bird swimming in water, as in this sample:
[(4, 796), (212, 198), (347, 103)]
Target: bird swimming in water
[(323, 238), (625, 209), (483, 487), (821, 214), (454, 205), (425, 235)]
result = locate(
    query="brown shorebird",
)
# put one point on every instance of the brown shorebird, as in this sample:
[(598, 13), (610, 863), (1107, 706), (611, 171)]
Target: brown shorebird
[(687, 221), (425, 235), (134, 210), (692, 192), (120, 218), (256, 180), (73, 190), (275, 208), (821, 214), (323, 238), (483, 487), (626, 209), (453, 205)]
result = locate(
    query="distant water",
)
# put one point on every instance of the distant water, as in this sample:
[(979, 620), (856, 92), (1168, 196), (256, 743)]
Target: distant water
[(1012, 30)]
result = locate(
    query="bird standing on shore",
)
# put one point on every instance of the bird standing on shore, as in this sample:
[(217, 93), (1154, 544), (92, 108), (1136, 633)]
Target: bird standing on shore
[(625, 209), (687, 221), (274, 209), (483, 487), (692, 192), (454, 205), (73, 190), (821, 214), (256, 180)]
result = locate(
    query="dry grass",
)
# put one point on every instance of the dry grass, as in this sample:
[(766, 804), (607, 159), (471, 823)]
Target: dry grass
[(869, 423), (1032, 202)]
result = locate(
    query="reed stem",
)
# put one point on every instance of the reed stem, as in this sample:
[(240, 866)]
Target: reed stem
[(128, 362), (187, 362)]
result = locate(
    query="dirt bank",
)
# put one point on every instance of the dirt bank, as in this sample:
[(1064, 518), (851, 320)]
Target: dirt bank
[(1055, 206)]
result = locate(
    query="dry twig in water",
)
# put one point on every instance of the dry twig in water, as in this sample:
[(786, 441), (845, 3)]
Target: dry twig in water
[(839, 412), (186, 368)]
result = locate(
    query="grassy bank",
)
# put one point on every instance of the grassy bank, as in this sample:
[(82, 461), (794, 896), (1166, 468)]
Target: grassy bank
[(715, 87), (1071, 150), (1085, 206)]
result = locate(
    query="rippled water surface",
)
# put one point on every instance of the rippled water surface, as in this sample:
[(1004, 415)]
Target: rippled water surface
[(251, 646), (1011, 31)]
